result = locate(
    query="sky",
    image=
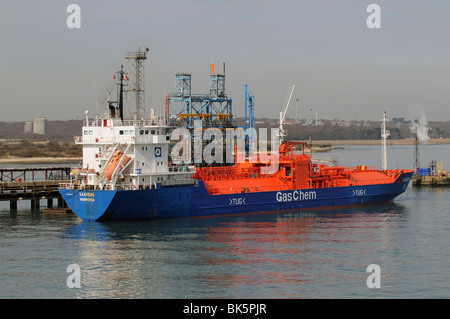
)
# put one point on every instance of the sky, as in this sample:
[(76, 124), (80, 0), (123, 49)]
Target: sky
[(340, 67)]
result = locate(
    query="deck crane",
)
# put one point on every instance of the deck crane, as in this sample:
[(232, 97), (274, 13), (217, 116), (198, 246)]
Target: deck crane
[(249, 124), (281, 132)]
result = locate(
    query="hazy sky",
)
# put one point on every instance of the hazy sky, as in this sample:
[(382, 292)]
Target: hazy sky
[(341, 68)]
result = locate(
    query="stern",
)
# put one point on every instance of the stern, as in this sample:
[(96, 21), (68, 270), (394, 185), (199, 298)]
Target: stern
[(88, 204)]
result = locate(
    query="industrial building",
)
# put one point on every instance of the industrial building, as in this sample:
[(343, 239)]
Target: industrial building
[(28, 127), (37, 126)]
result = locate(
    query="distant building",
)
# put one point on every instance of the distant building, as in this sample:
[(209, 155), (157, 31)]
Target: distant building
[(28, 127), (40, 126)]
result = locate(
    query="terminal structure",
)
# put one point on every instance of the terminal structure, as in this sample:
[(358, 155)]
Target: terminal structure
[(182, 107)]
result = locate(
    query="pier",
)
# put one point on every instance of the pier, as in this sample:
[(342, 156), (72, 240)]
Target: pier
[(433, 176), (433, 180), (34, 184)]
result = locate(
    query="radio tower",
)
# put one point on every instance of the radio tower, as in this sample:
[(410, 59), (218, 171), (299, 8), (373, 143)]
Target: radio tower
[(416, 145), (137, 78)]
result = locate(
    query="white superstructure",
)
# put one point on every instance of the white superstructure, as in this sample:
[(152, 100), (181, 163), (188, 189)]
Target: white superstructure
[(144, 161)]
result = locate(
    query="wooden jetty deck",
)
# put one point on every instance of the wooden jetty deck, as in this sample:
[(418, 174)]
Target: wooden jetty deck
[(34, 184)]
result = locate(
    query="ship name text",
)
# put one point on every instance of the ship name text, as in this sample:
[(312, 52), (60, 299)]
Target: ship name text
[(237, 201), (87, 196), (359, 192), (296, 195)]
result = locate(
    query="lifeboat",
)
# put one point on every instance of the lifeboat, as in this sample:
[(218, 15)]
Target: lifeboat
[(113, 162)]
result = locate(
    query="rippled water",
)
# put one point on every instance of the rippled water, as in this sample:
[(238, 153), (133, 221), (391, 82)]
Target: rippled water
[(300, 254)]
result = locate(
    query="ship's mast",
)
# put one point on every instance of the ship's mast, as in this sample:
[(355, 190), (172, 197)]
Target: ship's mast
[(121, 93), (384, 135), (111, 110), (137, 79)]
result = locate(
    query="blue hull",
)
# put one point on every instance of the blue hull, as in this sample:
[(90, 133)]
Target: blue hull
[(194, 201)]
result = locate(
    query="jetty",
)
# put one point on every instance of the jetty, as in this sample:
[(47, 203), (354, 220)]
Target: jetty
[(33, 184), (431, 180), (433, 176)]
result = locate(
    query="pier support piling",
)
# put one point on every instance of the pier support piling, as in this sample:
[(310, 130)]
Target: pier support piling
[(35, 204), (13, 205)]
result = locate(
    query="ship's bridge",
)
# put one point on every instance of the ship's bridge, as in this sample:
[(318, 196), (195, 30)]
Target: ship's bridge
[(144, 146)]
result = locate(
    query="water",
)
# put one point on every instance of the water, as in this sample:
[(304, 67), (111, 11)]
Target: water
[(301, 254)]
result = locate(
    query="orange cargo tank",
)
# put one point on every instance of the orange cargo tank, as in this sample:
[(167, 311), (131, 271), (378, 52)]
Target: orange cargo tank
[(295, 171)]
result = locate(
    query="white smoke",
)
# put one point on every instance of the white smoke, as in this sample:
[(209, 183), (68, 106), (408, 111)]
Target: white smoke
[(419, 123)]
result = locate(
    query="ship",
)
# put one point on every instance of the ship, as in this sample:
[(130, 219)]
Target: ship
[(128, 173)]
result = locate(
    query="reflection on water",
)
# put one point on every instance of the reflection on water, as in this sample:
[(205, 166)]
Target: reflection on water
[(300, 254), (284, 255)]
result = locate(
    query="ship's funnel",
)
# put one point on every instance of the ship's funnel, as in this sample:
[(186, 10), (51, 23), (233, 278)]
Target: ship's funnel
[(212, 68)]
